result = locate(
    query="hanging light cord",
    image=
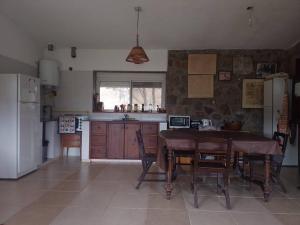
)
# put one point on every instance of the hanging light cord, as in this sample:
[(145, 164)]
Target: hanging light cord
[(137, 25)]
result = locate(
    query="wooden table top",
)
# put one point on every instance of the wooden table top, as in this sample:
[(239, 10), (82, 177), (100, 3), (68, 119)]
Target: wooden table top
[(182, 139)]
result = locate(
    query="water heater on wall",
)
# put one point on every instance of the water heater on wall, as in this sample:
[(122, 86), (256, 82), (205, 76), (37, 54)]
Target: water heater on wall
[(49, 72)]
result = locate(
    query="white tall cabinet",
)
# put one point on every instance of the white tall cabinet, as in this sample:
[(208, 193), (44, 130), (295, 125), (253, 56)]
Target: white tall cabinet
[(273, 96)]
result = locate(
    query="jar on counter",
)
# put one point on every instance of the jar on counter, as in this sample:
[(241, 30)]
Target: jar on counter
[(129, 108), (136, 108)]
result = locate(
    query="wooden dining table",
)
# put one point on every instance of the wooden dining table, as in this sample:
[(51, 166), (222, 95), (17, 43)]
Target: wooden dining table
[(185, 139)]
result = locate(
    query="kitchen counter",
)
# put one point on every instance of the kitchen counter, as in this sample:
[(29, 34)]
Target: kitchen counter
[(139, 116)]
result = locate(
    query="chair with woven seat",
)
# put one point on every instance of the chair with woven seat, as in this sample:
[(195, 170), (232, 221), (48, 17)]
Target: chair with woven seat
[(217, 159), (276, 160), (147, 160)]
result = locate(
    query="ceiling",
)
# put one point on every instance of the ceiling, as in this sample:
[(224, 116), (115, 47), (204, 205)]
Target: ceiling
[(165, 24)]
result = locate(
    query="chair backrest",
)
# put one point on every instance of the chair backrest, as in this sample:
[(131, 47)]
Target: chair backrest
[(139, 137), (282, 140), (277, 160), (217, 150)]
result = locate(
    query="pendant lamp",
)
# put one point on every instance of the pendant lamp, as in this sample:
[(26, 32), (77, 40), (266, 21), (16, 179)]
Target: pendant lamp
[(137, 55)]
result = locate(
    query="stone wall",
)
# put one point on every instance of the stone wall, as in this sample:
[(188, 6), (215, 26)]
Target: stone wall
[(227, 102)]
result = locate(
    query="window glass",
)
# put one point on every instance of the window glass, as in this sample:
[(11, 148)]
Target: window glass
[(114, 93), (116, 88), (147, 93)]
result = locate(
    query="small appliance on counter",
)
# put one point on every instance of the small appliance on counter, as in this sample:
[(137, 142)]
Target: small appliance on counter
[(176, 121), (195, 124), (202, 124)]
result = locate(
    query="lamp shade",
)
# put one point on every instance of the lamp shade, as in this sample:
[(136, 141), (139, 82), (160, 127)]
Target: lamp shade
[(137, 55)]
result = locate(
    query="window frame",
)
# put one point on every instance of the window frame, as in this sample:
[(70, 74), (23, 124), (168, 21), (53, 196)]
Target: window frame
[(130, 76)]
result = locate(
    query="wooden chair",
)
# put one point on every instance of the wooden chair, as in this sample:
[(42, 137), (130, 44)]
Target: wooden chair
[(217, 160), (147, 160), (276, 160)]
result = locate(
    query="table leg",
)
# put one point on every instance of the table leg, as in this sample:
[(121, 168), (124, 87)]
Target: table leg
[(267, 187), (169, 185)]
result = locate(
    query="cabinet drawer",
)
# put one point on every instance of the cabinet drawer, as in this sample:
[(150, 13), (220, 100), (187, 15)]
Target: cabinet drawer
[(97, 140), (150, 141), (98, 152), (70, 140), (98, 128), (150, 128)]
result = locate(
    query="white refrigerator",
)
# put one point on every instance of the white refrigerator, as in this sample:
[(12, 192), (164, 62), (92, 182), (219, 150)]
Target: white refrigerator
[(273, 96), (20, 130)]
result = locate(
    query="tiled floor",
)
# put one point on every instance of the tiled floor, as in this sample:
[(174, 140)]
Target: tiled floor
[(69, 193)]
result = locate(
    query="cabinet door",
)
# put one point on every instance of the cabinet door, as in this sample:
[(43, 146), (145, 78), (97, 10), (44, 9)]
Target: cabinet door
[(115, 141), (131, 144), (98, 152), (98, 140)]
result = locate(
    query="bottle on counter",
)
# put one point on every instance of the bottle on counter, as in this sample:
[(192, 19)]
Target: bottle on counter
[(135, 108), (129, 108), (150, 107), (143, 108)]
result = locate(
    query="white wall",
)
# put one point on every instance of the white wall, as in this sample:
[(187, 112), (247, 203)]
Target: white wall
[(76, 87), (108, 60), (75, 92), (16, 44)]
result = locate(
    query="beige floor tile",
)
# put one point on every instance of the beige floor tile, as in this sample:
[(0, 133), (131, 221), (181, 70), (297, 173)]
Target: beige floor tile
[(255, 219), (211, 218), (19, 197), (203, 189), (34, 215), (7, 211), (103, 193), (78, 216), (167, 217), (288, 219), (56, 198), (158, 201), (117, 216), (206, 203), (240, 204), (68, 185), (87, 199), (130, 201), (85, 174), (282, 205), (145, 188)]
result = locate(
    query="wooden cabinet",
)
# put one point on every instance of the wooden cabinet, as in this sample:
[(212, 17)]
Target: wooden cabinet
[(98, 137), (150, 137), (131, 144), (117, 140)]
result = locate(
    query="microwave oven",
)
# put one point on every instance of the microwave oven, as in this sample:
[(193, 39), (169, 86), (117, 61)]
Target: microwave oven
[(176, 121)]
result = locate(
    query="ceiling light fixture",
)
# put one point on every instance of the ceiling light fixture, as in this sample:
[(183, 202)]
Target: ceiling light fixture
[(137, 55)]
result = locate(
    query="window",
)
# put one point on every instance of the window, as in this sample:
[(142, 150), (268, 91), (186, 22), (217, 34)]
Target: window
[(131, 88), (147, 93), (114, 93)]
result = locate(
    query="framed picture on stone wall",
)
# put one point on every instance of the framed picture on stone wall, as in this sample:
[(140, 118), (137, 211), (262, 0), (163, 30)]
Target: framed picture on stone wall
[(264, 69), (200, 86), (253, 93), (224, 75)]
